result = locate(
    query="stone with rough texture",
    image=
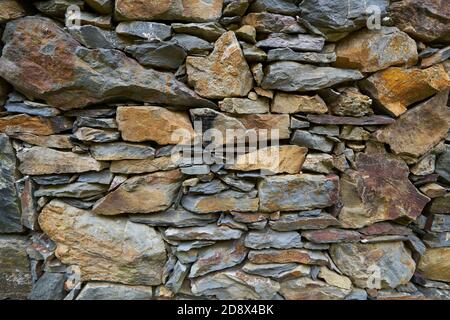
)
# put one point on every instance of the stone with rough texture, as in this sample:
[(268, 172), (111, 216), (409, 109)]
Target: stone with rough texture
[(158, 54), (138, 124), (15, 273), (347, 101), (298, 42), (312, 141), (104, 249), (360, 263), (101, 6), (307, 220), (291, 103), (443, 164), (144, 30), (307, 289), (353, 121), (144, 166), (121, 151), (277, 270), (22, 123), (208, 232), (395, 89), (264, 239), (235, 285), (266, 22), (244, 106), (40, 161), (73, 77), (10, 210), (114, 291), (224, 73), (175, 218), (371, 51), (186, 10), (287, 54), (218, 257), (441, 204), (378, 190), (209, 31), (419, 129), (298, 192), (50, 286), (331, 235), (10, 9), (142, 194), (287, 256), (425, 20), (435, 264), (229, 200), (292, 76)]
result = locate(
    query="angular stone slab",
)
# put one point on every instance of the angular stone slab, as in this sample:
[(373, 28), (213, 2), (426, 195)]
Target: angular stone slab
[(360, 121)]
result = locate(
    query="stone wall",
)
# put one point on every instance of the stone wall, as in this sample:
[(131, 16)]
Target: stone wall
[(97, 203)]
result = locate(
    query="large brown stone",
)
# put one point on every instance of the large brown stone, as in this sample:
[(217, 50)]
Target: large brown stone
[(373, 50), (15, 270), (44, 62), (435, 264), (378, 190), (298, 192), (374, 266), (183, 10), (395, 89), (142, 194), (420, 129), (104, 249), (23, 123), (157, 124), (10, 9), (424, 20), (225, 73), (40, 161)]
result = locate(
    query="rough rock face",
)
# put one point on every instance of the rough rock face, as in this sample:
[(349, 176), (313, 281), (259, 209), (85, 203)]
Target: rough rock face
[(435, 264), (104, 249), (213, 78), (76, 70), (378, 190)]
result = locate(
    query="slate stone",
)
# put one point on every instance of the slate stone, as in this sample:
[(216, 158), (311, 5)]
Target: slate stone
[(144, 30), (268, 238), (158, 54), (121, 151), (175, 218), (287, 54), (307, 220), (209, 31), (298, 42), (114, 291), (312, 141), (49, 287), (208, 232), (192, 44)]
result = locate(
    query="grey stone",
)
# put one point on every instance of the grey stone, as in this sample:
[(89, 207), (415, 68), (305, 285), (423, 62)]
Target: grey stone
[(175, 218), (122, 151), (144, 30), (50, 180), (286, 7), (209, 31), (196, 170), (268, 238), (253, 53), (318, 163), (208, 232), (192, 44), (57, 8), (292, 76), (298, 192), (99, 123), (73, 190), (276, 270), (113, 291), (287, 54), (212, 187), (437, 240), (443, 165), (10, 212), (241, 185), (307, 220), (266, 22), (94, 37), (218, 257), (96, 135), (177, 277), (49, 287), (103, 177), (23, 107), (101, 6), (158, 54), (312, 141), (297, 42)]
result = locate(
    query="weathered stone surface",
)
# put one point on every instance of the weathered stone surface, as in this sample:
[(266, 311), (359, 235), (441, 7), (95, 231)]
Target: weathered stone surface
[(96, 135), (286, 7), (23, 123), (282, 159), (292, 76), (264, 239), (312, 141), (307, 220), (144, 30), (50, 286), (287, 256), (419, 129), (212, 187), (40, 161), (395, 89), (175, 218), (10, 211), (291, 103), (435, 264), (427, 20), (443, 165), (440, 56), (277, 270), (389, 261), (244, 106), (190, 10), (142, 194), (236, 285), (336, 19), (33, 109), (148, 123), (318, 163), (297, 192), (441, 204), (112, 291), (287, 54), (353, 121), (210, 31), (4, 90), (307, 289), (378, 190), (192, 44), (222, 74), (266, 22), (144, 166), (229, 200), (334, 279), (72, 77), (374, 50), (73, 190), (218, 257), (331, 236), (10, 9), (101, 6), (15, 272), (347, 101), (104, 249), (209, 232), (57, 8), (121, 151), (298, 42), (158, 54)]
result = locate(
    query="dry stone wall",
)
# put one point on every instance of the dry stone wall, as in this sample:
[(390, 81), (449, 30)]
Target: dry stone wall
[(349, 200)]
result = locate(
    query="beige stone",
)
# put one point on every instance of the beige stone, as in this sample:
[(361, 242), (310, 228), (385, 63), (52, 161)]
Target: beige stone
[(335, 279), (435, 264), (292, 103)]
